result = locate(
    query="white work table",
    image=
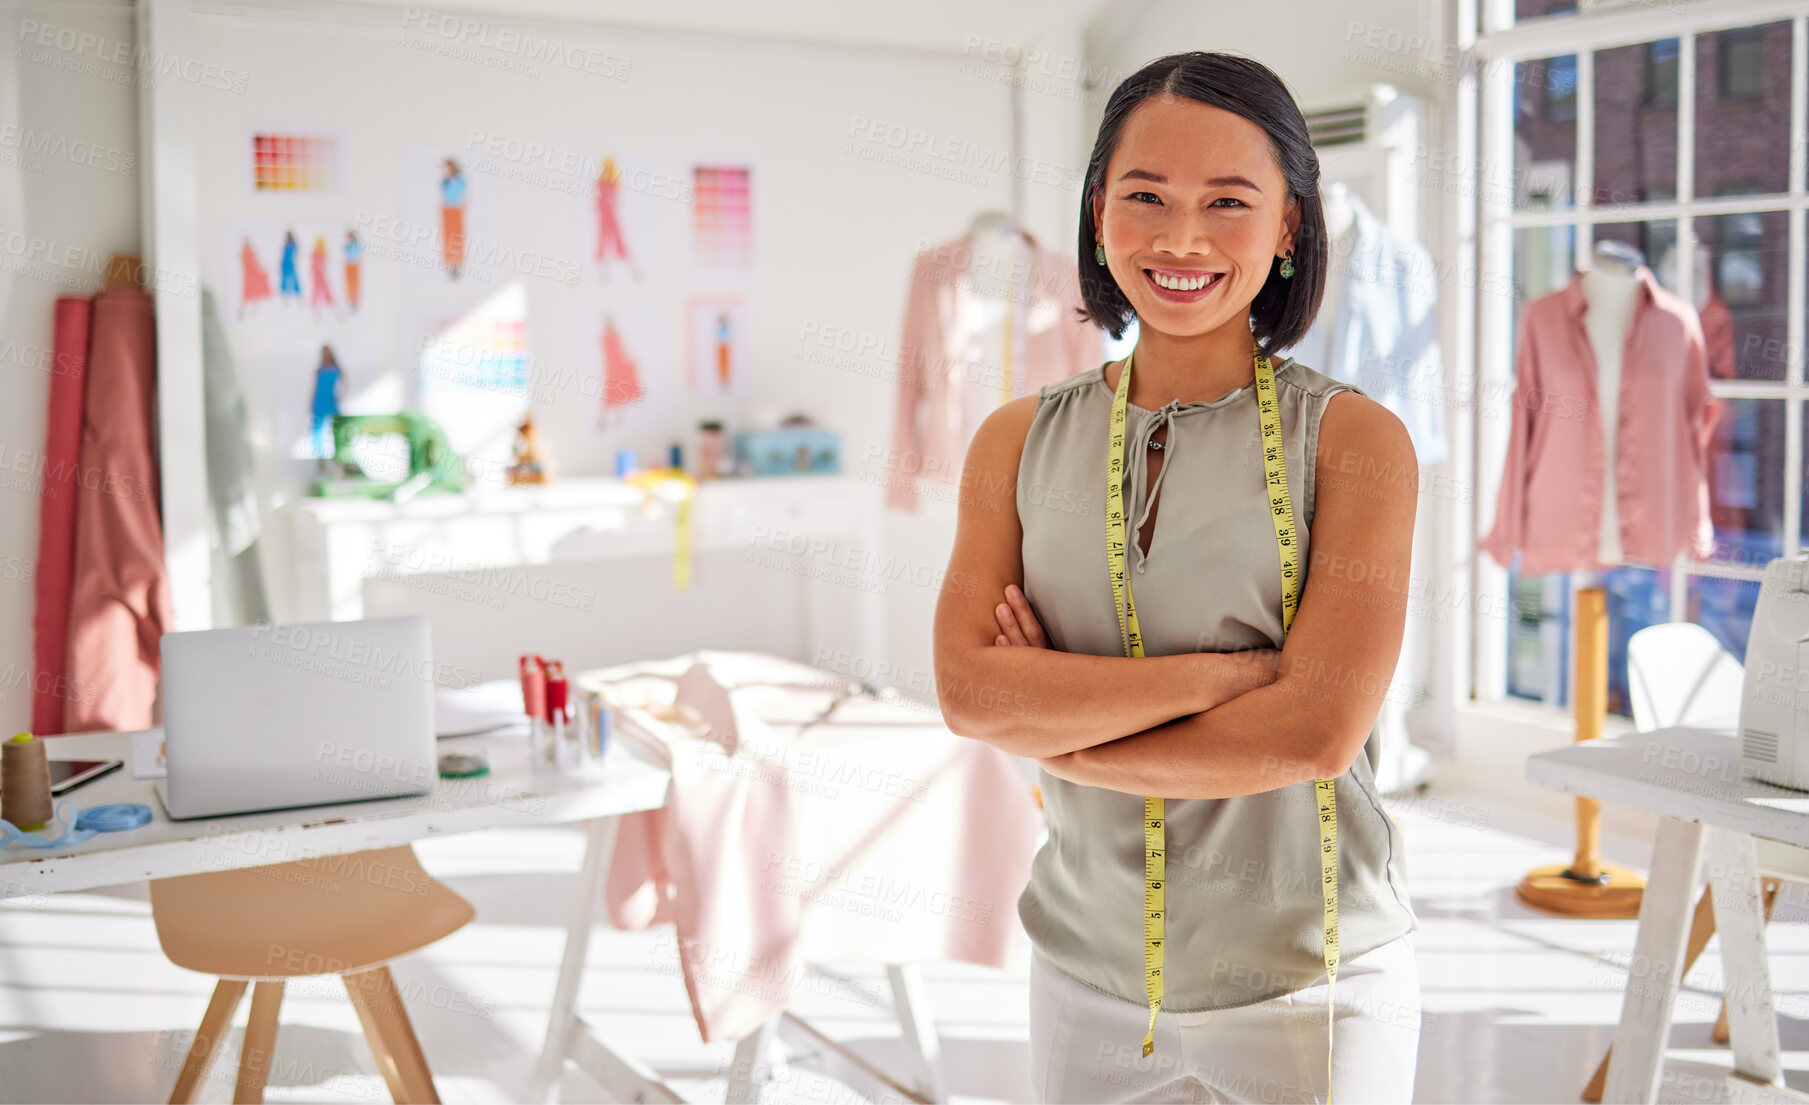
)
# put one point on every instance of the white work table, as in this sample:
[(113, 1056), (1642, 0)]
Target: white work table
[(1691, 778), (510, 795)]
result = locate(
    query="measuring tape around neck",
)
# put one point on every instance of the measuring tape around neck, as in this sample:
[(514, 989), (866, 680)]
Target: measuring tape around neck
[(1281, 508)]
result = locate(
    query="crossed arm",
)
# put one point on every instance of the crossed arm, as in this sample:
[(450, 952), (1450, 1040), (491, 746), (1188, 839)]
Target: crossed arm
[(1199, 725)]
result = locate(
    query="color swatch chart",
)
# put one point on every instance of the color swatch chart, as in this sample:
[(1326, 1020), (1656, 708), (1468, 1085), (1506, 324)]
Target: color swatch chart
[(722, 215), (293, 163)]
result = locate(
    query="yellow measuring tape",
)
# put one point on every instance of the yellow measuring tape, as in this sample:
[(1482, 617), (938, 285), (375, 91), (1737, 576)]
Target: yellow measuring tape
[(1154, 858), (649, 481)]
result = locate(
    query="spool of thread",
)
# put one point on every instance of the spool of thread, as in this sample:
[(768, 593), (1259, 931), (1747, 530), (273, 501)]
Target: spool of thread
[(533, 687), (557, 692), (25, 783)]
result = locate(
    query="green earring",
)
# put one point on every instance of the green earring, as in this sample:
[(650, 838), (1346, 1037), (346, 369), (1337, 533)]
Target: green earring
[(1098, 251), (1287, 265)]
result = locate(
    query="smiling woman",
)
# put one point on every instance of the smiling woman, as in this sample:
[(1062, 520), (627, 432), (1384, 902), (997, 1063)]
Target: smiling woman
[(1204, 691)]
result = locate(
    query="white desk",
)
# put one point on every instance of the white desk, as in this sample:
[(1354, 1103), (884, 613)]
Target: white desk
[(511, 795), (1692, 779)]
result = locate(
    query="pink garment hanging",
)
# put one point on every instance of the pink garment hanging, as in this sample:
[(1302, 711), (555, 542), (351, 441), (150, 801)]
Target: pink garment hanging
[(55, 568), (931, 427), (120, 601), (1550, 504)]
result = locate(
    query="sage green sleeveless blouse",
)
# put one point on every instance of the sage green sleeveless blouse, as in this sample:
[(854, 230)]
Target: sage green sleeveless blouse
[(1243, 892)]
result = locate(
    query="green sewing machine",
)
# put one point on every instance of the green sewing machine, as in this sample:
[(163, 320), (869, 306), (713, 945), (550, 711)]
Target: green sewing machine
[(431, 461)]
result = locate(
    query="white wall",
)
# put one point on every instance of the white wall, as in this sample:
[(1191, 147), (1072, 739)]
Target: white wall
[(68, 201), (838, 232), (1322, 50)]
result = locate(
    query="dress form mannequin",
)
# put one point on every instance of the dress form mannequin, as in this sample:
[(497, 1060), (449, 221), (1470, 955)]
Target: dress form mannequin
[(1588, 886), (993, 232), (1611, 288), (1000, 269)]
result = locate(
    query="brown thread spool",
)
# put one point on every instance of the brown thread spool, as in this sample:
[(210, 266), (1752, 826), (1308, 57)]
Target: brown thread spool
[(25, 783)]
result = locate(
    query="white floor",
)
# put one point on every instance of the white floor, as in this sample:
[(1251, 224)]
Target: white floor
[(1519, 1006)]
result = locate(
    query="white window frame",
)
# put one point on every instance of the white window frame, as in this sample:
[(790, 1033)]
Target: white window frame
[(1479, 230)]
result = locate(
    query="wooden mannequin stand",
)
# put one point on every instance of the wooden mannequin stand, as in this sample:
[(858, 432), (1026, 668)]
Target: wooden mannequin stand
[(1587, 887)]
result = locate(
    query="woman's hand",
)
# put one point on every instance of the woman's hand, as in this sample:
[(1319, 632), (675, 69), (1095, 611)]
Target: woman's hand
[(1227, 675), (1253, 668), (1017, 622)]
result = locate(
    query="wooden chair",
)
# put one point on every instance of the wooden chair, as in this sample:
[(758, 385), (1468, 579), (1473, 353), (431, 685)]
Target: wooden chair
[(1679, 675), (347, 915)]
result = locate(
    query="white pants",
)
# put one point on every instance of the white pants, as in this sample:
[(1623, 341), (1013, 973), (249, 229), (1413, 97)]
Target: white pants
[(1087, 1046)]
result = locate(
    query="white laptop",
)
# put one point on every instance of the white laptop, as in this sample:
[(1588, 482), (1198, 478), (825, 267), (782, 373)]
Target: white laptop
[(275, 716)]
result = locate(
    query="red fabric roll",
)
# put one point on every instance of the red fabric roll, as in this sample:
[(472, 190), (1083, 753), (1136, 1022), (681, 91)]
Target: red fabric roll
[(56, 514), (120, 600)]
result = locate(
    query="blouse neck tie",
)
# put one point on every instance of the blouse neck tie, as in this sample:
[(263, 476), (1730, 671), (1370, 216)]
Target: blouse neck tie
[(1160, 417)]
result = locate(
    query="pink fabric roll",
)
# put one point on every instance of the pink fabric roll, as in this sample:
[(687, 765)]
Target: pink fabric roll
[(56, 515), (120, 600)]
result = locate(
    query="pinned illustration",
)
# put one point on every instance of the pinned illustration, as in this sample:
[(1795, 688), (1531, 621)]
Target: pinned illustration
[(724, 332), (291, 278), (716, 346), (329, 391), (609, 223), (321, 290), (254, 281), (621, 375), (452, 218), (354, 270)]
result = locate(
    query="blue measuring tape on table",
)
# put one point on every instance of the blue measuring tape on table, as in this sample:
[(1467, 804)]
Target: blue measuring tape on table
[(111, 818)]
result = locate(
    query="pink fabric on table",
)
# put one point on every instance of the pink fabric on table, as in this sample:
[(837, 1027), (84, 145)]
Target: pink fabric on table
[(823, 829), (55, 569), (1550, 504), (120, 600)]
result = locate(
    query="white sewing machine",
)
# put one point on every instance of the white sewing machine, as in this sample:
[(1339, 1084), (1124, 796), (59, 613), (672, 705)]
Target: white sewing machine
[(1774, 706)]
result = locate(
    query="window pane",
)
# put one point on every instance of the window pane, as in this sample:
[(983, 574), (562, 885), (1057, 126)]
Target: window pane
[(1655, 240), (1635, 135), (1538, 653), (1746, 481), (1541, 635), (1740, 289), (1743, 110), (1637, 598), (1803, 541), (1533, 9), (1723, 607), (1545, 133), (1544, 257), (1661, 75)]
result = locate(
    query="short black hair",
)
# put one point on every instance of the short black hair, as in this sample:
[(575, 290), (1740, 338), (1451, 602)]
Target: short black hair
[(1284, 308)]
